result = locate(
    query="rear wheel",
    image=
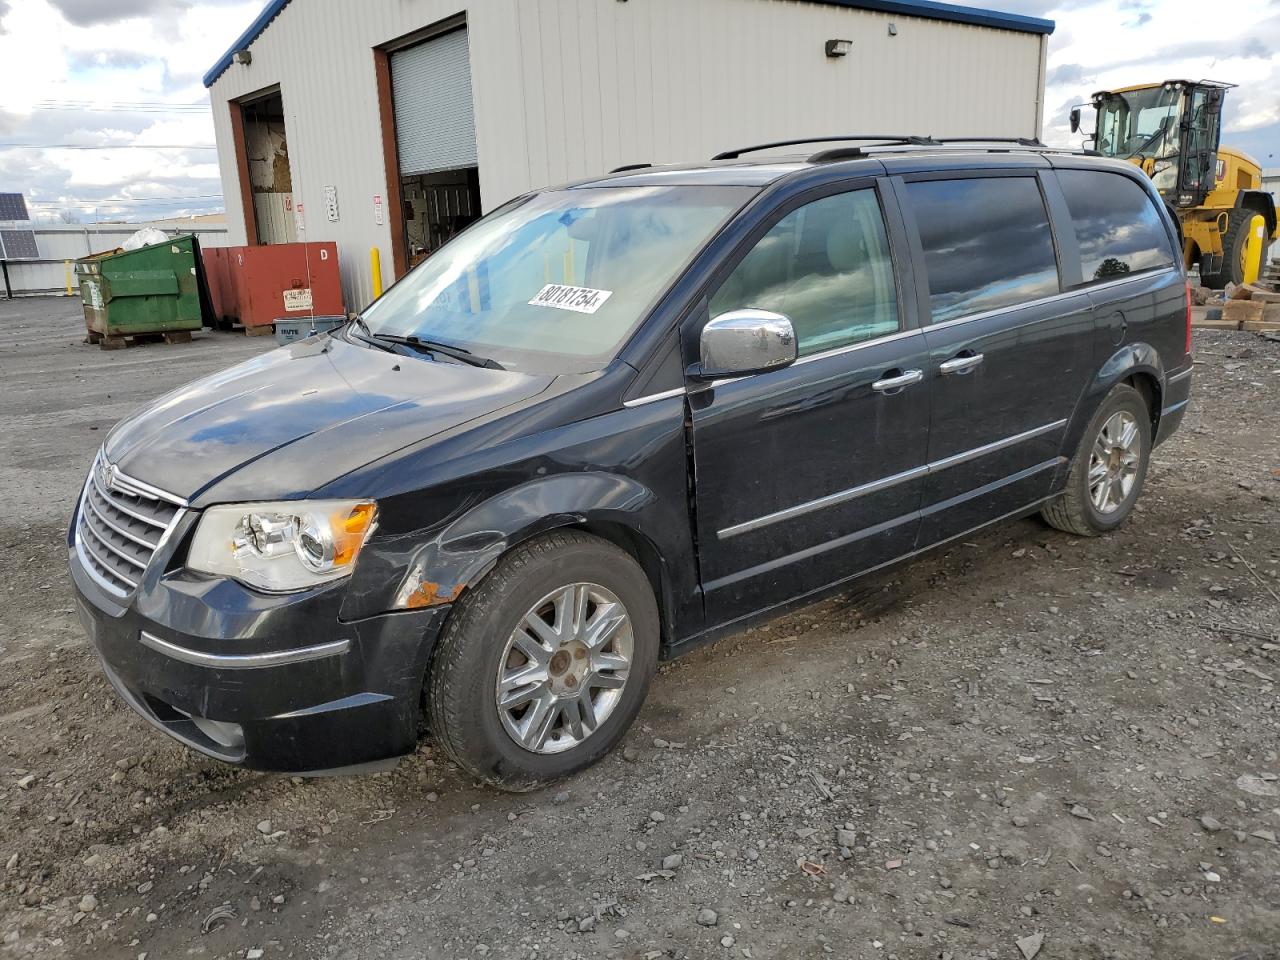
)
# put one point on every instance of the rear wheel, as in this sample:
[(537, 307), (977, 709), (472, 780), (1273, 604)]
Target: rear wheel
[(543, 667), (1109, 468)]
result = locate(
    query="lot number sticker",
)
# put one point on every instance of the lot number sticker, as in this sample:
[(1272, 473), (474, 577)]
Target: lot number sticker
[(577, 299), (295, 300)]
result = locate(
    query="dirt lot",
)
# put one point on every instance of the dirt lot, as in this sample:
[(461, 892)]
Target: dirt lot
[(1022, 736)]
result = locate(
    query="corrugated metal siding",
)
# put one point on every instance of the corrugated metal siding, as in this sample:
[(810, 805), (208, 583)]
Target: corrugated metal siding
[(431, 88), (567, 88), (59, 244)]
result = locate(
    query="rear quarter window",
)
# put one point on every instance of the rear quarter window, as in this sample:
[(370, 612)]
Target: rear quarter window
[(1117, 226)]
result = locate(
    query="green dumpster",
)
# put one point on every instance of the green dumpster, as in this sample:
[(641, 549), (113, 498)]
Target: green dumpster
[(151, 290)]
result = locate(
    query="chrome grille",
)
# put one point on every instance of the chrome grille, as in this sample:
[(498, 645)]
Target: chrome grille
[(122, 522)]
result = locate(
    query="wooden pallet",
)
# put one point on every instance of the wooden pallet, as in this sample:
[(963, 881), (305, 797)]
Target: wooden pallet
[(1242, 311), (137, 339), (261, 330)]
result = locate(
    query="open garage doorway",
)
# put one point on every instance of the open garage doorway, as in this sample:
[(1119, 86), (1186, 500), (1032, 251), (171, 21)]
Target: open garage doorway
[(435, 136), (266, 163)]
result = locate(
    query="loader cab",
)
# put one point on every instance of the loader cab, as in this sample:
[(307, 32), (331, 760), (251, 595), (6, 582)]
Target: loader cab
[(1171, 130)]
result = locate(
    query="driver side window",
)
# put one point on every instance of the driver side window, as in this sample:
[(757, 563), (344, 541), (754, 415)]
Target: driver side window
[(826, 267)]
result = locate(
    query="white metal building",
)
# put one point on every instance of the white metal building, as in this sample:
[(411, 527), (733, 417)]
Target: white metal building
[(390, 124), (1271, 182)]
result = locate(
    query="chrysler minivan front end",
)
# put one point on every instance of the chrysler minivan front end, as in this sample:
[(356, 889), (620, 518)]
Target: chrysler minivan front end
[(252, 552)]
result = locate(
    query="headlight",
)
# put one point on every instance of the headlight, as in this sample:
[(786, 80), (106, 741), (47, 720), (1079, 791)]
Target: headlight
[(280, 547)]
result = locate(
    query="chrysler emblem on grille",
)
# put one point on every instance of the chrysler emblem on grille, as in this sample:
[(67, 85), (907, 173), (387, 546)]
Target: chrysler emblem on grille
[(107, 473)]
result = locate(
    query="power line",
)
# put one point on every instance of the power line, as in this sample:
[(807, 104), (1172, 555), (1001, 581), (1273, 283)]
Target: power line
[(121, 107), (95, 108), (117, 146), (82, 200), (128, 105)]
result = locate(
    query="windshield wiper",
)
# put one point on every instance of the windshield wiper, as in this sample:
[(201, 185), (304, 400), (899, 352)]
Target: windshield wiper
[(369, 337), (460, 354)]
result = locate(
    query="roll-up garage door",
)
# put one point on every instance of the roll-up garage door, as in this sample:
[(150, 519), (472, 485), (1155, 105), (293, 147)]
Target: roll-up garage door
[(435, 124)]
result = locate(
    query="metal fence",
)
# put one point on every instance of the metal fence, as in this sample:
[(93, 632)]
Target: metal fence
[(60, 246)]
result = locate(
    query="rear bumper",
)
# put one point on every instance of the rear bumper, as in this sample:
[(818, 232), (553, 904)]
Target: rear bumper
[(1173, 406), (269, 683)]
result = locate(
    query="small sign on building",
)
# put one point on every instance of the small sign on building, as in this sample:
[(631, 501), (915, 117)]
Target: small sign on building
[(331, 202), (377, 209)]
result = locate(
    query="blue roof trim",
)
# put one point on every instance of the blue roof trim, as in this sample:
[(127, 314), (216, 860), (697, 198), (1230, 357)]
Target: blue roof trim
[(928, 9), (952, 13), (260, 22)]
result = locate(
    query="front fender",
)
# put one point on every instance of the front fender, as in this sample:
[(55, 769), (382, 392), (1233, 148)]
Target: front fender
[(437, 570)]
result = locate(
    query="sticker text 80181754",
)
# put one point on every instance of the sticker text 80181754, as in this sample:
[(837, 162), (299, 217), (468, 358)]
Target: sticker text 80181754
[(577, 299)]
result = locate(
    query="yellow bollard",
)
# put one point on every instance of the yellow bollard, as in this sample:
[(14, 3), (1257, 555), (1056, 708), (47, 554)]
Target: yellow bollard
[(67, 264), (375, 269), (1253, 249)]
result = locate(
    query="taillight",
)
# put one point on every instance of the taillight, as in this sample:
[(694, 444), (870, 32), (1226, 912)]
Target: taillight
[(1188, 317)]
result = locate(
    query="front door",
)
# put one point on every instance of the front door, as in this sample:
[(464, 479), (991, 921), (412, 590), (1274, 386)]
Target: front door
[(808, 475), (1009, 352)]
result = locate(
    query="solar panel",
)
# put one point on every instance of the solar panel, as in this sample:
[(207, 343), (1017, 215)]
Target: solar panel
[(18, 245), (13, 206)]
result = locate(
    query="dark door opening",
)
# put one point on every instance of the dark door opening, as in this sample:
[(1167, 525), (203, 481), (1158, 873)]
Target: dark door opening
[(266, 146), (436, 207)]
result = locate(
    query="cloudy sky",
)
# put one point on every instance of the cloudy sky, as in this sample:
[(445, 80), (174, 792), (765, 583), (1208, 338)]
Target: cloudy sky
[(126, 74)]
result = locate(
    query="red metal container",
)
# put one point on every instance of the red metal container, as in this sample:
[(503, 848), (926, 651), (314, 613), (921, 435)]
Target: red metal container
[(222, 291), (284, 280)]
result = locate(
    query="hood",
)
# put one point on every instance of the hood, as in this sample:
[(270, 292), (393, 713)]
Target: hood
[(294, 419)]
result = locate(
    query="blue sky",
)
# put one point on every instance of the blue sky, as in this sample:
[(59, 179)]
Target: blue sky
[(63, 62)]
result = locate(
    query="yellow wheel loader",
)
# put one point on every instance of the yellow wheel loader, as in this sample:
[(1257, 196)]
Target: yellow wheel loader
[(1172, 131)]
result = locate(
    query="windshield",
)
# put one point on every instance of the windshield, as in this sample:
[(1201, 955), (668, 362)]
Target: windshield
[(1139, 123), (555, 283)]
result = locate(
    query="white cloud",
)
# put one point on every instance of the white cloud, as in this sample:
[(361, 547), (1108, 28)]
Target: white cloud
[(102, 54)]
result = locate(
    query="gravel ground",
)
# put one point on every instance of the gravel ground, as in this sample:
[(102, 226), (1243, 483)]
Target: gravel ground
[(1025, 742)]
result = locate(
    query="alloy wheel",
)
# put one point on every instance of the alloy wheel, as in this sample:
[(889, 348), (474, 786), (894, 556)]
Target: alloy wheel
[(564, 668), (1114, 462)]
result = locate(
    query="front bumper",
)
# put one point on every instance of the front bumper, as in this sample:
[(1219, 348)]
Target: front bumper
[(266, 682)]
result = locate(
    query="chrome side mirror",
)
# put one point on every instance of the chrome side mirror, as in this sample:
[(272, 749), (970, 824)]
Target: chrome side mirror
[(745, 341)]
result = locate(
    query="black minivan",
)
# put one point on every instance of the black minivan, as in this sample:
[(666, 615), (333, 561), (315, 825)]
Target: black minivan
[(616, 419)]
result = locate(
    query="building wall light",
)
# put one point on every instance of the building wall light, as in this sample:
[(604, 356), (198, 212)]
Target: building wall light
[(838, 48)]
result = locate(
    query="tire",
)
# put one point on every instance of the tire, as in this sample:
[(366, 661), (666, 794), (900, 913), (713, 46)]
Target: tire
[(480, 646), (1076, 510), (1233, 248)]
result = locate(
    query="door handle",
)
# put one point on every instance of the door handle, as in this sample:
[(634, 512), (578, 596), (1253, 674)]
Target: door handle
[(895, 383), (960, 364)]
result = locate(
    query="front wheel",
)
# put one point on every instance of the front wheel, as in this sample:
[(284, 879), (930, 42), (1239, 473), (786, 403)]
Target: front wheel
[(1109, 467), (1235, 246), (542, 668)]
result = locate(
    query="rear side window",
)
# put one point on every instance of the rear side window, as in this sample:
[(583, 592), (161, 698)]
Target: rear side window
[(1117, 225), (987, 243)]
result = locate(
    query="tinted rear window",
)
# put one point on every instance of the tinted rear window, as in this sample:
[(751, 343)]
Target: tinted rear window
[(987, 243), (1117, 225)]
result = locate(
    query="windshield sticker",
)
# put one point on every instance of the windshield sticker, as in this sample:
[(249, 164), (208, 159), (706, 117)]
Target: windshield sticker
[(577, 299)]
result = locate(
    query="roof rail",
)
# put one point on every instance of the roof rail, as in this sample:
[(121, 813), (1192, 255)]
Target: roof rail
[(886, 138), (1033, 142), (630, 166)]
